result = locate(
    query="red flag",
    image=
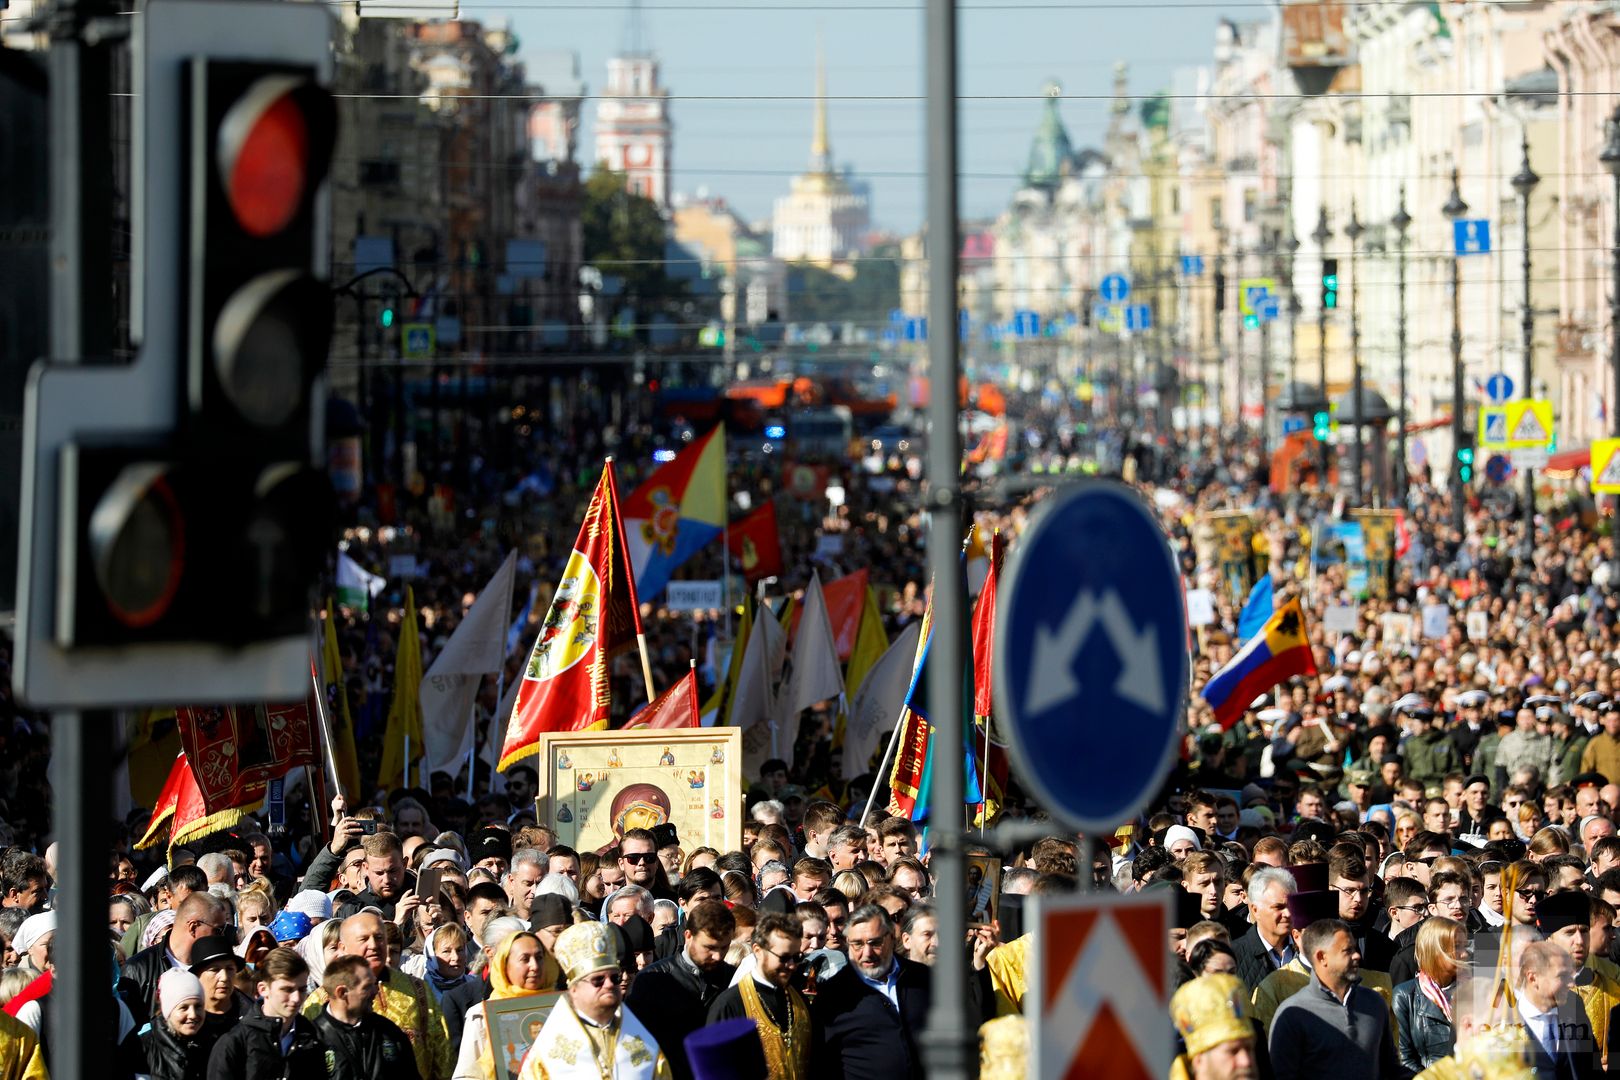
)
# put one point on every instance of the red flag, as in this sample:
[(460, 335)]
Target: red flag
[(990, 754), (181, 805), (236, 749), (676, 707), (846, 598), (593, 617), (755, 543)]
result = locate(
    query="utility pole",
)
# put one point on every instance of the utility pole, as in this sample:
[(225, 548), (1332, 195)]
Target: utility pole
[(948, 1042)]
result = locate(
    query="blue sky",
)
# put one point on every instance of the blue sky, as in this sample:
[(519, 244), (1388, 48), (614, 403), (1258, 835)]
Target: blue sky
[(747, 149)]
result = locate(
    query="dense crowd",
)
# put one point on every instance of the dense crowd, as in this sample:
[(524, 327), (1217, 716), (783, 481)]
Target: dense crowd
[(1403, 864)]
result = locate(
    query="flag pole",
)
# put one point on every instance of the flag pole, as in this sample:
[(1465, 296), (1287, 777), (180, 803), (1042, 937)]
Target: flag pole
[(984, 781), (324, 723), (635, 603), (883, 767)]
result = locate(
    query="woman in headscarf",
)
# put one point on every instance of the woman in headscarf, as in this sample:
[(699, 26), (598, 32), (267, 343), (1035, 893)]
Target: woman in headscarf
[(176, 1046), (319, 947), (517, 969)]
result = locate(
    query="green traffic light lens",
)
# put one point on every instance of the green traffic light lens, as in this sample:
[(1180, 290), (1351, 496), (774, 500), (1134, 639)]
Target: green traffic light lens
[(388, 317)]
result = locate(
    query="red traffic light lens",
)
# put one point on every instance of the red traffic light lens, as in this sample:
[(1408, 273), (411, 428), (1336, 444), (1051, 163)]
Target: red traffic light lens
[(138, 544), (264, 155)]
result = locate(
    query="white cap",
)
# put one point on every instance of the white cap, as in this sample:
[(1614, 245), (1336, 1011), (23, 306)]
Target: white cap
[(1177, 833), (33, 929), (317, 905)]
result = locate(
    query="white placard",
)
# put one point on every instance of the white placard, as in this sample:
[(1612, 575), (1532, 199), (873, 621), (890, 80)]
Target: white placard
[(1479, 625), (1341, 619), (693, 596), (1397, 630), (1436, 620), (1200, 607)]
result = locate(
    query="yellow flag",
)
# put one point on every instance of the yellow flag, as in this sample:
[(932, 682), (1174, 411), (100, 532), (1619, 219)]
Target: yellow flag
[(719, 704), (154, 741), (405, 710), (871, 642), (337, 707)]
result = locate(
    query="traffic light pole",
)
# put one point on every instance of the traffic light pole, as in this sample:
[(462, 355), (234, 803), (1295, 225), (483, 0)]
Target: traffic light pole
[(81, 329)]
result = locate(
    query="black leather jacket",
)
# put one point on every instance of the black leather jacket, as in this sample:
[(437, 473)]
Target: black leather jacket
[(1424, 1035)]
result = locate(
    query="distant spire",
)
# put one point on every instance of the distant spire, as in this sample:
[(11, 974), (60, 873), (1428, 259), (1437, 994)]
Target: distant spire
[(634, 42), (820, 147)]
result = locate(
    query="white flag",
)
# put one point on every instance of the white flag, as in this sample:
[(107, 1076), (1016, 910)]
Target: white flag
[(477, 648), (355, 587), (754, 707), (876, 708), (816, 676)]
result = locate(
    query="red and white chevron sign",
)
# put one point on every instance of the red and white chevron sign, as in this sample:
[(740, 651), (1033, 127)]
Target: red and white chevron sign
[(1098, 1004)]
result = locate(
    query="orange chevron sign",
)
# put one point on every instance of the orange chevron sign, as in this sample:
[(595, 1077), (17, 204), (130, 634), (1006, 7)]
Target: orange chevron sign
[(1099, 993)]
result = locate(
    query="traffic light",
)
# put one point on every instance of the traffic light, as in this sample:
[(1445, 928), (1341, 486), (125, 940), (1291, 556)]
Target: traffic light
[(1220, 292), (1251, 322), (1465, 458), (1330, 283), (386, 318), (1321, 426), (214, 524)]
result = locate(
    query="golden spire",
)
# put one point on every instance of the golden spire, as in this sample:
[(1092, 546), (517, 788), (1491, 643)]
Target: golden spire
[(820, 149)]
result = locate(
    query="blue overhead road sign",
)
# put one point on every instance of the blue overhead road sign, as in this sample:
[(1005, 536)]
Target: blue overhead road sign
[(1091, 660), (1192, 265), (1471, 236), (1114, 288), (1138, 317)]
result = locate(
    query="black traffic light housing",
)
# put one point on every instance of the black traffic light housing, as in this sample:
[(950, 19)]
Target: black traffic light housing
[(217, 530), (1330, 284)]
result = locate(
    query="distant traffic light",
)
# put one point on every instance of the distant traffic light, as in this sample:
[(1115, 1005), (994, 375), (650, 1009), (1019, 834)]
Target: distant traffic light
[(1321, 426), (1330, 283), (1220, 292), (1251, 322), (1465, 459), (387, 317)]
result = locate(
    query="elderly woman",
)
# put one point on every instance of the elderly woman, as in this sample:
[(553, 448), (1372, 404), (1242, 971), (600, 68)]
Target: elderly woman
[(1425, 1031)]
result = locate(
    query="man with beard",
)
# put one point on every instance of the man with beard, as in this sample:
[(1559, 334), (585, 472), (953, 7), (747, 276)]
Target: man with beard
[(768, 997), (1347, 876), (675, 994), (1333, 1027), (591, 1019)]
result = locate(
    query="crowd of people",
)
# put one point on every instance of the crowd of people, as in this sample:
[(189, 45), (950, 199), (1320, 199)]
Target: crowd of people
[(1404, 864)]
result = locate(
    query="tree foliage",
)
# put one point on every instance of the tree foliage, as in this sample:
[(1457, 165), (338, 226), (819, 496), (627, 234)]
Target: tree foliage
[(624, 235)]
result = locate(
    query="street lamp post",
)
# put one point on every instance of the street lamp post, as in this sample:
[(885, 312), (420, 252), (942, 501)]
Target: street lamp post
[(1402, 221), (1524, 184), (1611, 160), (1322, 234), (1354, 230), (1454, 209)]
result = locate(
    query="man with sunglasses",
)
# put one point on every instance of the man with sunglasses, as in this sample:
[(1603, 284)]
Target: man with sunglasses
[(200, 916), (638, 858), (674, 995), (591, 1031), (768, 997)]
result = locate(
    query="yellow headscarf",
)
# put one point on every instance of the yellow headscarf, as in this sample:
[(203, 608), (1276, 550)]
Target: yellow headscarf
[(503, 989)]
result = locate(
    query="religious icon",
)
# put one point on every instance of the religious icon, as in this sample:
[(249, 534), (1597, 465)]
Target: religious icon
[(613, 760), (586, 782), (667, 757)]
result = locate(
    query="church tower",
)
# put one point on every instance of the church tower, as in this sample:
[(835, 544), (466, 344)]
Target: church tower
[(634, 133)]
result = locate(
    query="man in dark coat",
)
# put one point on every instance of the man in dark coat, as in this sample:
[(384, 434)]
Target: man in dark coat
[(364, 1046), (272, 1040), (867, 1016), (199, 916), (672, 997), (1267, 945)]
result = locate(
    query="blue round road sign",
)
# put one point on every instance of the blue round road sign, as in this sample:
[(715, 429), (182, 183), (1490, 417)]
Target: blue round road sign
[(1114, 288), (1091, 661), (1498, 468), (1498, 388)]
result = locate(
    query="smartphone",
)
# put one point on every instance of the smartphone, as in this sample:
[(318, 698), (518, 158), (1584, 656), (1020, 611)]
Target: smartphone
[(428, 881), (368, 828)]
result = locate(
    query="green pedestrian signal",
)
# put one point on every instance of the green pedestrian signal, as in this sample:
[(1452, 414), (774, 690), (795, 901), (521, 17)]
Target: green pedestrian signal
[(387, 317), (1321, 426), (1330, 283)]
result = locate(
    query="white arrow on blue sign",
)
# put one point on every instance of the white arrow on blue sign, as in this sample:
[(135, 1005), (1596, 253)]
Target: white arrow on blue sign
[(1498, 388), (1114, 288), (1471, 236), (1091, 659), (1138, 317)]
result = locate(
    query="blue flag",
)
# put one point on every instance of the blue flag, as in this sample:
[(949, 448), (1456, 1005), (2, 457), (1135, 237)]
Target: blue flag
[(1257, 609)]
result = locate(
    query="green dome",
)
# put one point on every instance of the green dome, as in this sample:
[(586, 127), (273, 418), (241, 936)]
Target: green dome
[(1051, 153), (1156, 111)]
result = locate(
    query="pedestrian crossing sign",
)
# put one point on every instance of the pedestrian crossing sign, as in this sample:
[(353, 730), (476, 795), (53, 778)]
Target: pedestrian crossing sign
[(1606, 466), (1517, 425)]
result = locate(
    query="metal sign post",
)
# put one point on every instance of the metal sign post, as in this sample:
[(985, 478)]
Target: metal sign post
[(948, 1044)]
